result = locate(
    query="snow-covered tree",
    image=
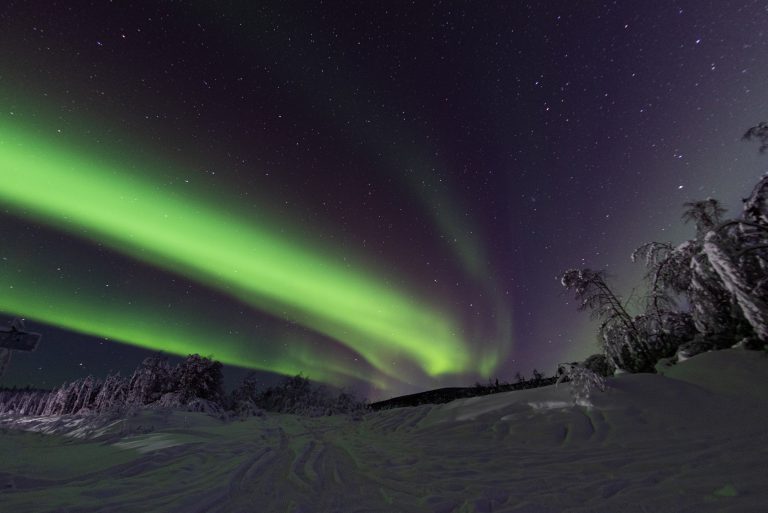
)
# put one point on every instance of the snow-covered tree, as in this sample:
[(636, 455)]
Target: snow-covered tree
[(624, 344), (84, 394), (756, 205), (199, 377), (722, 274), (153, 378), (582, 382), (759, 132), (112, 396), (745, 281), (243, 398), (673, 273), (705, 214)]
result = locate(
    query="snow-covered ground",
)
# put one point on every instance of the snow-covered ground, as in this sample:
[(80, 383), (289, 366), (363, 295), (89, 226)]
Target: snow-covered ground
[(693, 440)]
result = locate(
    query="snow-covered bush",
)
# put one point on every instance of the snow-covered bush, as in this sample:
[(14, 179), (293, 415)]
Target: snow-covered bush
[(582, 382)]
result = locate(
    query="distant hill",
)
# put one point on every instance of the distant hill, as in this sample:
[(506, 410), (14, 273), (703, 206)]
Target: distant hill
[(445, 395)]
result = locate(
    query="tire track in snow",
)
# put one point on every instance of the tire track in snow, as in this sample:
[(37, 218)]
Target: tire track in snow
[(298, 470)]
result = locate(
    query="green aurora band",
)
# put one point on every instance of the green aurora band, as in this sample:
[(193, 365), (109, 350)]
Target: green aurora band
[(492, 344), (32, 292), (127, 211)]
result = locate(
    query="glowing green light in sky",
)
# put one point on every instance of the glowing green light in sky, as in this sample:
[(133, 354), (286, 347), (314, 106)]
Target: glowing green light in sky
[(28, 290), (129, 212)]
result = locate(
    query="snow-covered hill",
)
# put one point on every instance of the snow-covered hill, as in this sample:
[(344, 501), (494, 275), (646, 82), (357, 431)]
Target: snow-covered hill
[(690, 441)]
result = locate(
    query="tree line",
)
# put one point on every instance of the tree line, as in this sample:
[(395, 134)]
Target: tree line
[(195, 384)]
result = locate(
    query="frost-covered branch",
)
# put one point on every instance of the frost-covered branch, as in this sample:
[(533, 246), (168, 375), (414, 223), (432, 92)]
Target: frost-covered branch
[(755, 308)]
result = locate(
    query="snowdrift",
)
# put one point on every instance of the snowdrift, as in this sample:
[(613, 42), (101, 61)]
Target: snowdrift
[(693, 439)]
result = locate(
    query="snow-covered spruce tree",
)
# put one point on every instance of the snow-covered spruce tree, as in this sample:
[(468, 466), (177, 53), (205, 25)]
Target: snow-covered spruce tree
[(85, 394), (62, 399), (722, 273), (718, 288), (624, 344), (740, 283), (675, 271), (30, 403), (26, 401), (714, 310), (153, 378), (199, 377), (69, 399), (729, 284), (737, 253)]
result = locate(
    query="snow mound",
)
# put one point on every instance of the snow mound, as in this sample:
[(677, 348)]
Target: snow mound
[(690, 440)]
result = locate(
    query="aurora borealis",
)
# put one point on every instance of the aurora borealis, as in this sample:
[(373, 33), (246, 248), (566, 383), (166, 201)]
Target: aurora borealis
[(197, 241), (381, 197)]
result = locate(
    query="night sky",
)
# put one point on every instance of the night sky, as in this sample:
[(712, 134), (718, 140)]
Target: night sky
[(381, 195)]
